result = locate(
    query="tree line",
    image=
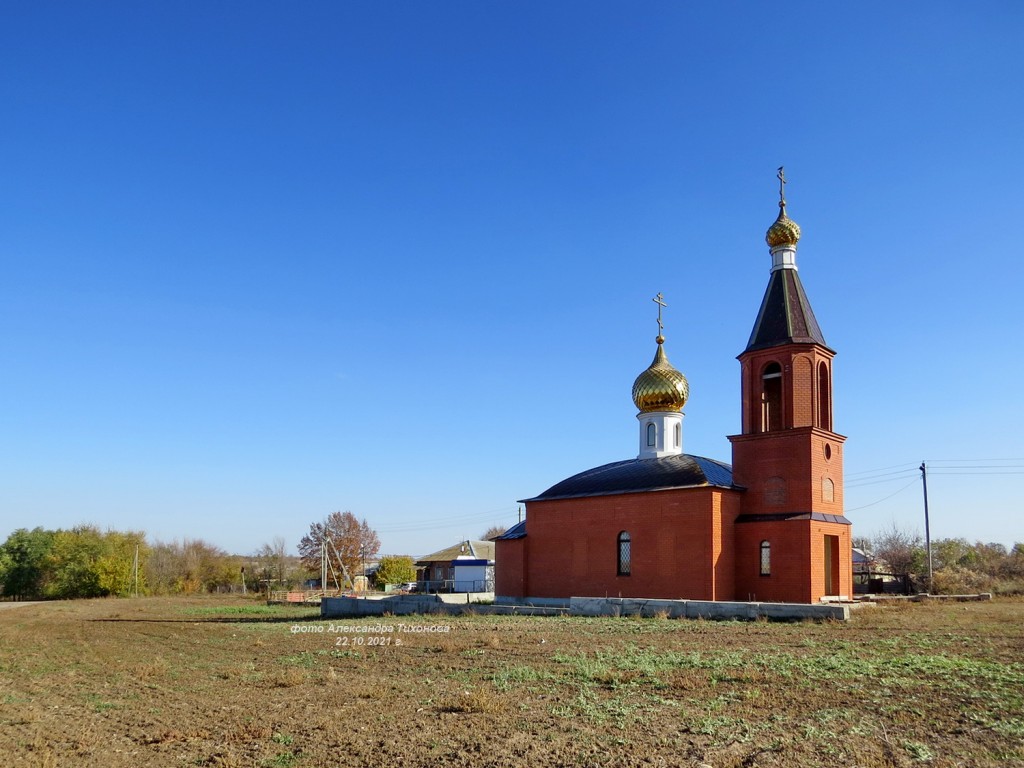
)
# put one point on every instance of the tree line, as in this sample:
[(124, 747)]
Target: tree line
[(958, 566), (86, 561)]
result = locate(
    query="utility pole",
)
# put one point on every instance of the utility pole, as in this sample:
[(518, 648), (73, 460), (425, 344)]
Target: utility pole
[(323, 565), (135, 570), (927, 531), (362, 556)]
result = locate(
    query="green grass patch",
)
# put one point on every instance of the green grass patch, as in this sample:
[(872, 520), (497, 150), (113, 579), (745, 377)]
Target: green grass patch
[(233, 610), (305, 660), (505, 679)]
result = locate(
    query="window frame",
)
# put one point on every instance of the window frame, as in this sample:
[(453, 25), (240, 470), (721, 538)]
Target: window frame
[(624, 544)]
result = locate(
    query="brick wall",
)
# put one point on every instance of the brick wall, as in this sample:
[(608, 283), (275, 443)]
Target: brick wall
[(797, 561), (680, 542), (510, 567)]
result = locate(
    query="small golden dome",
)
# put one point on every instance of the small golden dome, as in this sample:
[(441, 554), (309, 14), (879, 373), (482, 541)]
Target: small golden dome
[(661, 387), (784, 231)]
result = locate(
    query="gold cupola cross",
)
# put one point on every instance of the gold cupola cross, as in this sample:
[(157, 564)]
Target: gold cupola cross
[(660, 301)]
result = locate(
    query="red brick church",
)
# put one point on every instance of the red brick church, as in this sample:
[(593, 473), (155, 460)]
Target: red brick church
[(672, 525)]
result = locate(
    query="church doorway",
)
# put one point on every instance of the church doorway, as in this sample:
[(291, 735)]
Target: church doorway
[(831, 565)]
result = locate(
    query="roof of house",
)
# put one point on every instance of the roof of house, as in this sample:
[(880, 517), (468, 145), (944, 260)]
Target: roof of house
[(482, 550), (785, 316), (639, 475)]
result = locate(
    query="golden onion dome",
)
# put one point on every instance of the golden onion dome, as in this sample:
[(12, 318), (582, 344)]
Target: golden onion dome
[(661, 387), (784, 231)]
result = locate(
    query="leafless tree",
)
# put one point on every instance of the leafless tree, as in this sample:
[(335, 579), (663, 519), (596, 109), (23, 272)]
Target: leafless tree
[(493, 532)]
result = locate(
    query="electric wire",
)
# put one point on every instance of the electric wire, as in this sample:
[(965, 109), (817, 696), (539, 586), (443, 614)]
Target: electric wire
[(866, 483), (881, 469), (884, 498)]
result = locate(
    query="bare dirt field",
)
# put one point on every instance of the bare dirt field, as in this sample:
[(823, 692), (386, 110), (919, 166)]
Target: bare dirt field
[(230, 682)]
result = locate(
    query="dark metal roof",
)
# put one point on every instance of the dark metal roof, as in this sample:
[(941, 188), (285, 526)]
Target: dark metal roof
[(785, 516), (785, 316), (517, 531), (638, 475)]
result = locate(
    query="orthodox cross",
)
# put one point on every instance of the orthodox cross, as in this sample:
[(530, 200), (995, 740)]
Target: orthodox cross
[(781, 176), (659, 300)]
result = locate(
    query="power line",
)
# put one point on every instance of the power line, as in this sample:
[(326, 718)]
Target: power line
[(941, 472), (982, 466), (866, 483), (873, 503), (423, 525), (946, 461), (884, 474), (883, 469)]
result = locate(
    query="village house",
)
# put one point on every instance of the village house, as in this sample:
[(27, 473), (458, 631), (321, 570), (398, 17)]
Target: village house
[(464, 567)]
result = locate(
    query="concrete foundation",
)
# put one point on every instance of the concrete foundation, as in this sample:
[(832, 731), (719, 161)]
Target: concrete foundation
[(704, 609), (404, 605), (543, 602)]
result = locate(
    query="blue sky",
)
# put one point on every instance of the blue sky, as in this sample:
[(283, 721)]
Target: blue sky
[(265, 261)]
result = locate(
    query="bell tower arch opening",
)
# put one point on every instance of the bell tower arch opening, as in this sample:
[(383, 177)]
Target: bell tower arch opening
[(771, 398), (824, 397)]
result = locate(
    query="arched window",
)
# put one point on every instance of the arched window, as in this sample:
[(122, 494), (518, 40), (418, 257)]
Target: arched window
[(771, 398), (625, 554), (766, 558), (679, 435), (652, 435), (824, 398)]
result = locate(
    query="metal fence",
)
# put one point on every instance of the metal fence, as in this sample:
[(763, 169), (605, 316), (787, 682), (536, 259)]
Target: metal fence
[(448, 585)]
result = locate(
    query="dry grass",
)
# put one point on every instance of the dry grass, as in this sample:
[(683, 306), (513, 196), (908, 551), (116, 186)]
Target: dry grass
[(207, 682)]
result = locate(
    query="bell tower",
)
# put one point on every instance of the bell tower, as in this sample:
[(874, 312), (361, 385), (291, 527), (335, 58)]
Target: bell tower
[(792, 541)]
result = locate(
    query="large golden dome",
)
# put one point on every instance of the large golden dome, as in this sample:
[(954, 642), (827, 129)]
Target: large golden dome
[(784, 231), (661, 387)]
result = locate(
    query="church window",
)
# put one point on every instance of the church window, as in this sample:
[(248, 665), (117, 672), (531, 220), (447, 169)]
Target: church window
[(679, 435), (824, 398), (771, 398), (625, 552), (652, 434), (766, 558)]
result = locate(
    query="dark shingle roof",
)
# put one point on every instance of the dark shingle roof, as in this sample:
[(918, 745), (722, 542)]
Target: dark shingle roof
[(517, 531), (638, 475), (785, 316)]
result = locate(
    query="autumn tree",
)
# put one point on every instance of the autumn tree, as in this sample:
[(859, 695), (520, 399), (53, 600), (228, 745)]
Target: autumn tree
[(115, 567), (24, 558), (351, 543), (189, 567), (395, 569), (72, 563)]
